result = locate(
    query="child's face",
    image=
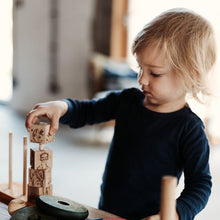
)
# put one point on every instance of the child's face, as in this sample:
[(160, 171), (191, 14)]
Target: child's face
[(163, 90)]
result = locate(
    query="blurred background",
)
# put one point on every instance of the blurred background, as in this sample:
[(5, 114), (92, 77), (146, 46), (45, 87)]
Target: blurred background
[(53, 49)]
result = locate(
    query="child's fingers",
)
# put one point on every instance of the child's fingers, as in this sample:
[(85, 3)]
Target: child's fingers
[(52, 110), (54, 125), (35, 120), (28, 120), (33, 116)]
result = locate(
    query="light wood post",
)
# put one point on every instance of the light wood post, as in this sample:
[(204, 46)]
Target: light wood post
[(10, 161), (168, 198), (24, 165)]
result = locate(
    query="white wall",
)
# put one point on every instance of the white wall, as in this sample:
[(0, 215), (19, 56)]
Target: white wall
[(31, 51)]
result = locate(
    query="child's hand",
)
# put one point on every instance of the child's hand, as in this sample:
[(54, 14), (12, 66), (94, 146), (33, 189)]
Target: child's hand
[(157, 217), (52, 110), (152, 217)]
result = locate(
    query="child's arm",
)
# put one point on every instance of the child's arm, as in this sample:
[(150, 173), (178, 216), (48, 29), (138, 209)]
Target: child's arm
[(89, 112), (75, 113), (194, 151), (52, 110), (195, 160)]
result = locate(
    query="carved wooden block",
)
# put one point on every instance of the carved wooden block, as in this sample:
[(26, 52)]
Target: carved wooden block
[(35, 192), (41, 159), (39, 177), (39, 133)]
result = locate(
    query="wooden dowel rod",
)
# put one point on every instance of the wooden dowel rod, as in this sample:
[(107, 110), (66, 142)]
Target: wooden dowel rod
[(41, 147), (24, 165), (168, 198), (10, 160)]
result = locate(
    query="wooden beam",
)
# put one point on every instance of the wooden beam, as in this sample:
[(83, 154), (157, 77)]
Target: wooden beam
[(118, 41)]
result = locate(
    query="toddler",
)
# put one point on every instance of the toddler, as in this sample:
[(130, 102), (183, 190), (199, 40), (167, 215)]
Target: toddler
[(156, 133)]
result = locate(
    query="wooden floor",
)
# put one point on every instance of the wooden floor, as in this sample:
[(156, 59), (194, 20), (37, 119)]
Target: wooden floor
[(79, 159)]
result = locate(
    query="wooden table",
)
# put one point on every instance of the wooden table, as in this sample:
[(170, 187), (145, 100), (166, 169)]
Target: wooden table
[(93, 213)]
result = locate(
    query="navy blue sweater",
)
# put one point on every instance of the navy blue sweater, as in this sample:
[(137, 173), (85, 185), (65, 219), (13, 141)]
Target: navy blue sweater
[(146, 146)]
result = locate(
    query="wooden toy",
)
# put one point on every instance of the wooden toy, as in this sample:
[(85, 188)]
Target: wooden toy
[(34, 192), (12, 190), (168, 198), (16, 204), (41, 160), (25, 166), (39, 177), (10, 161), (39, 133)]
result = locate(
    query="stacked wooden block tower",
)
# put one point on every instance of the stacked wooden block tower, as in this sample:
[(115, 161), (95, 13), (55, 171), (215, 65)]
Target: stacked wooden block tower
[(39, 181)]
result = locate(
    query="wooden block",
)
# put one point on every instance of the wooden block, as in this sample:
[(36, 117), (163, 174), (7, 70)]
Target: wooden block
[(35, 192), (39, 177), (39, 133), (41, 159)]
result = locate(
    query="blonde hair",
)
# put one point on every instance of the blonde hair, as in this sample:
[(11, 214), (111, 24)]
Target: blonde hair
[(189, 42)]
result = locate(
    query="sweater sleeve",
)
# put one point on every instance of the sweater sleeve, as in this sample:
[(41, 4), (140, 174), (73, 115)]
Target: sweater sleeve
[(88, 112), (195, 158)]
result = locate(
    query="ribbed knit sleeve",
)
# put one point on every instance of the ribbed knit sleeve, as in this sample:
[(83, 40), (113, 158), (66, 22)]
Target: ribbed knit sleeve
[(88, 112), (195, 157)]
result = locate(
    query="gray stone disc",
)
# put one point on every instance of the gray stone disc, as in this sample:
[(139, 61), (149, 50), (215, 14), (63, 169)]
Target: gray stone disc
[(61, 207), (31, 213)]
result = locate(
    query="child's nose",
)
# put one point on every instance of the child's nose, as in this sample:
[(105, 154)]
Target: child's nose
[(143, 79)]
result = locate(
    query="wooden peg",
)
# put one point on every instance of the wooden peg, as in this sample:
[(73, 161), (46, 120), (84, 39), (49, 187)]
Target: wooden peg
[(168, 198), (24, 165), (10, 161), (41, 147)]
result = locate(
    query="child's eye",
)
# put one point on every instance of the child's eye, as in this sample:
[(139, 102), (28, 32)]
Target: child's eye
[(154, 74)]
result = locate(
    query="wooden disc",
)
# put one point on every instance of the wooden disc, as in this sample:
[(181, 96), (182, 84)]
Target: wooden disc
[(61, 207), (31, 213)]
